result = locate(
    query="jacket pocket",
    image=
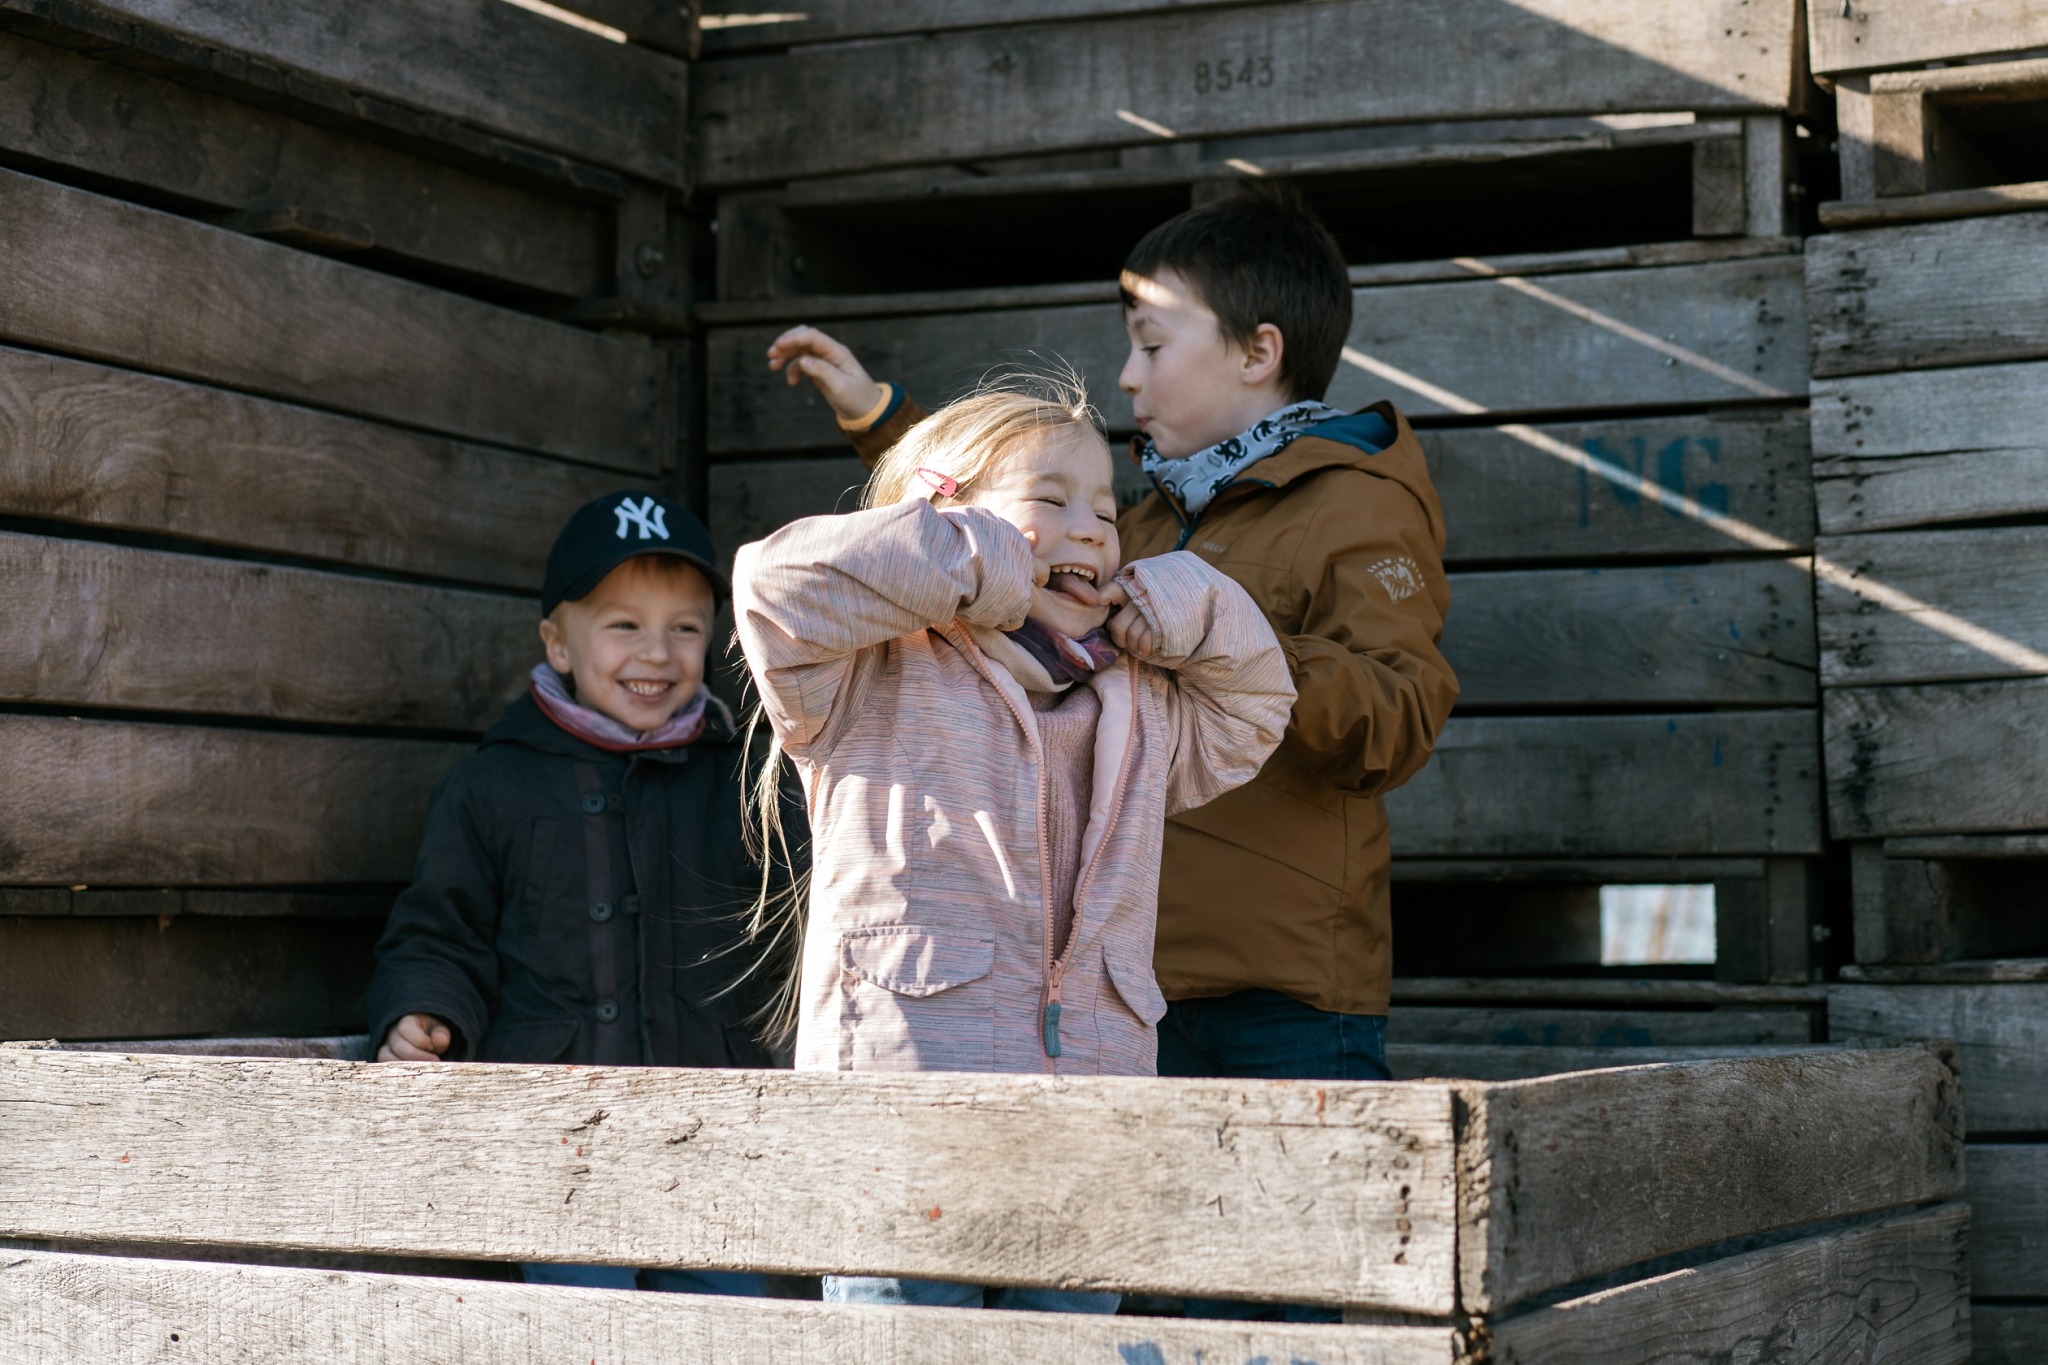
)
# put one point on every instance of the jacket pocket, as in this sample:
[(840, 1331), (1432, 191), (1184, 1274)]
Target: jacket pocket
[(532, 1041), (917, 999), (1137, 988)]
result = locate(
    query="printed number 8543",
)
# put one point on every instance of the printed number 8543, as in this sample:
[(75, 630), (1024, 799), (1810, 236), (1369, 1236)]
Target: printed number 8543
[(1228, 75)]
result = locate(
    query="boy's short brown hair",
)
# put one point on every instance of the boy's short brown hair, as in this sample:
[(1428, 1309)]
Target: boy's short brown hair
[(1261, 256)]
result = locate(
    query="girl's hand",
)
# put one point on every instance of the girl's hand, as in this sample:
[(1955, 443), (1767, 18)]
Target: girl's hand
[(1128, 628), (416, 1038), (807, 353)]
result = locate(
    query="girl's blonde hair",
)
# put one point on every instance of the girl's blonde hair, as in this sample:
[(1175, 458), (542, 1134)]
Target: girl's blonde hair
[(967, 442)]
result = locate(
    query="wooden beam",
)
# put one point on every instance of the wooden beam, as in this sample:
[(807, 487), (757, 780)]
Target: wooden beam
[(1945, 758), (1872, 34), (110, 281), (1764, 926), (665, 25), (1620, 1030), (1960, 973), (342, 1047), (1583, 786), (963, 95), (113, 803), (1864, 643), (493, 65), (140, 629), (159, 902), (733, 26), (1503, 1062), (2002, 1029), (1838, 216), (2008, 1220), (1605, 992)]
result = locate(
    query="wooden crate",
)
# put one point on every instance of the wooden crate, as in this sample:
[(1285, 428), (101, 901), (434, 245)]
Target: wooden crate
[(1759, 1208)]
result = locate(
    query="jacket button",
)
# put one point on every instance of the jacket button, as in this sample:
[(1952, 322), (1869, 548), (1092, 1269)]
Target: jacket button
[(615, 803), (601, 911), (607, 1011), (593, 803)]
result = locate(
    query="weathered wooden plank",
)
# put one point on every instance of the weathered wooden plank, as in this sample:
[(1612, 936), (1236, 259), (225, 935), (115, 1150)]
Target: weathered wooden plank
[(733, 26), (1863, 642), (1878, 33), (1608, 992), (1962, 758), (1207, 72), (2008, 1185), (2003, 1031), (69, 1307), (1501, 1062), (102, 447), (2007, 1333), (130, 977), (1893, 1290), (1972, 973), (1908, 298), (1338, 1192), (1732, 634), (1693, 1154), (112, 803), (1579, 786), (135, 129), (342, 1047), (1924, 911), (1584, 871), (141, 629), (1930, 446), (1838, 216), (115, 282), (1503, 345), (1618, 1029), (161, 901), (665, 25), (493, 65)]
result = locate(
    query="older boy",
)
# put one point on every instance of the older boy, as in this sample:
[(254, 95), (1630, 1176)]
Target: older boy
[(1274, 931), (581, 886)]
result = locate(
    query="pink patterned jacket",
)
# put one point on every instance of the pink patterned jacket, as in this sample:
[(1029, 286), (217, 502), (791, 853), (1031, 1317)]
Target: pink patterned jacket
[(929, 942)]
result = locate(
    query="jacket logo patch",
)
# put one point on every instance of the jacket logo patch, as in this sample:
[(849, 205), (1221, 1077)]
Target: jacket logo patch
[(650, 518), (1399, 575), (1213, 548)]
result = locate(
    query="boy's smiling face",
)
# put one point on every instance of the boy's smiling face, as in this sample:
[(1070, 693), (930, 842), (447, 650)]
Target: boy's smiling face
[(635, 645), (1190, 387)]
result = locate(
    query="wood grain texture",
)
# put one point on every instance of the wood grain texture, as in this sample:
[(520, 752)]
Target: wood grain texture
[(1491, 346), (1582, 786), (732, 26), (140, 629), (1621, 1029), (1893, 1290), (2007, 1333), (110, 448), (1034, 89), (113, 803), (156, 902), (110, 281), (665, 25), (68, 1307), (1731, 634), (1334, 1193), (1692, 1154), (492, 65), (1872, 34), (1865, 643), (341, 1047), (1500, 1062), (2008, 1220), (1927, 208), (140, 130), (1607, 992), (1973, 973), (1945, 758), (2002, 1029), (1910, 298), (130, 977)]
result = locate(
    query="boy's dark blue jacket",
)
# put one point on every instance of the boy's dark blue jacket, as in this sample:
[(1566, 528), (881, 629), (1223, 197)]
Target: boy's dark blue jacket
[(574, 905)]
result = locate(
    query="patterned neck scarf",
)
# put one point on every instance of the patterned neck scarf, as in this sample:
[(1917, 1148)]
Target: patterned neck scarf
[(595, 728), (1202, 475), (1065, 659)]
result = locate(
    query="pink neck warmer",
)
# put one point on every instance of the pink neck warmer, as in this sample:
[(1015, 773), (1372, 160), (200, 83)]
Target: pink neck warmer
[(600, 731)]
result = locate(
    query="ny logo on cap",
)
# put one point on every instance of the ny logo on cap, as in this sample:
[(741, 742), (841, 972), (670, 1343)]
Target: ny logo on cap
[(651, 520)]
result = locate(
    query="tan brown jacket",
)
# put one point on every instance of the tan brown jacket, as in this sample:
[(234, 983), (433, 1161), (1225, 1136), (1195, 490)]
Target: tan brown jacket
[(1283, 883)]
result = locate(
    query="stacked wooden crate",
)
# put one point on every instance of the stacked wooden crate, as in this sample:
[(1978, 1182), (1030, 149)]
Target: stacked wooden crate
[(1569, 230), (1930, 417), (300, 370)]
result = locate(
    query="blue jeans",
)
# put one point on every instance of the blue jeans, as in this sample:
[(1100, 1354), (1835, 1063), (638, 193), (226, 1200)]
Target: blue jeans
[(1271, 1036), (945, 1294), (737, 1282)]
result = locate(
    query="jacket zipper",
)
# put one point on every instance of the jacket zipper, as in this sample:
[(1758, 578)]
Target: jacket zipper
[(1059, 968)]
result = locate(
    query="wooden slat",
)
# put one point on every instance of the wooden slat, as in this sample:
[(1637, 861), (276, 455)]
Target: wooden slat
[(1969, 846), (102, 447), (157, 902), (1950, 758), (114, 282), (115, 978), (1909, 298), (1865, 643), (732, 26), (1878, 33), (1335, 1193), (1930, 446), (1584, 871), (343, 1047), (1034, 89), (1575, 1175), (1602, 991), (1981, 971), (1732, 634), (67, 1307), (1476, 345), (1499, 1062), (1894, 1290), (1580, 786), (2003, 1030), (1839, 216), (140, 130), (113, 803), (664, 25), (1618, 1029), (2008, 1220), (486, 63), (141, 629), (2007, 1333)]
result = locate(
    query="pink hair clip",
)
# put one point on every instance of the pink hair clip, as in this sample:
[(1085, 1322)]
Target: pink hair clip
[(945, 485)]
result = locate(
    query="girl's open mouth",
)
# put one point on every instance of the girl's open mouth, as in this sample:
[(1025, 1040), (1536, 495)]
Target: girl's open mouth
[(1074, 581)]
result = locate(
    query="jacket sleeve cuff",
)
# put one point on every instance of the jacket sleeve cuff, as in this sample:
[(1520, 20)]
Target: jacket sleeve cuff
[(899, 415)]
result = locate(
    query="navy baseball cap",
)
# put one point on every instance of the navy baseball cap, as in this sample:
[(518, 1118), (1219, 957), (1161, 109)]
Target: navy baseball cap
[(608, 531)]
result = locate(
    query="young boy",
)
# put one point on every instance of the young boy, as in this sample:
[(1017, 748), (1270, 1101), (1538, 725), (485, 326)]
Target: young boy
[(1274, 937), (581, 887)]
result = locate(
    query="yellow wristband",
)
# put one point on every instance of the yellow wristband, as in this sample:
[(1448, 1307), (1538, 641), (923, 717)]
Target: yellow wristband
[(874, 414)]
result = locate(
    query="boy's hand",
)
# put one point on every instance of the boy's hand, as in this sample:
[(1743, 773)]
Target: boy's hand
[(807, 353), (1128, 628), (416, 1038)]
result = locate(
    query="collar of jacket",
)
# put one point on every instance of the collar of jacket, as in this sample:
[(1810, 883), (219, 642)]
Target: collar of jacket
[(527, 726), (1340, 442)]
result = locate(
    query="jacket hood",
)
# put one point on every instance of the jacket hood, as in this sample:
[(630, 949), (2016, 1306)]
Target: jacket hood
[(524, 724)]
